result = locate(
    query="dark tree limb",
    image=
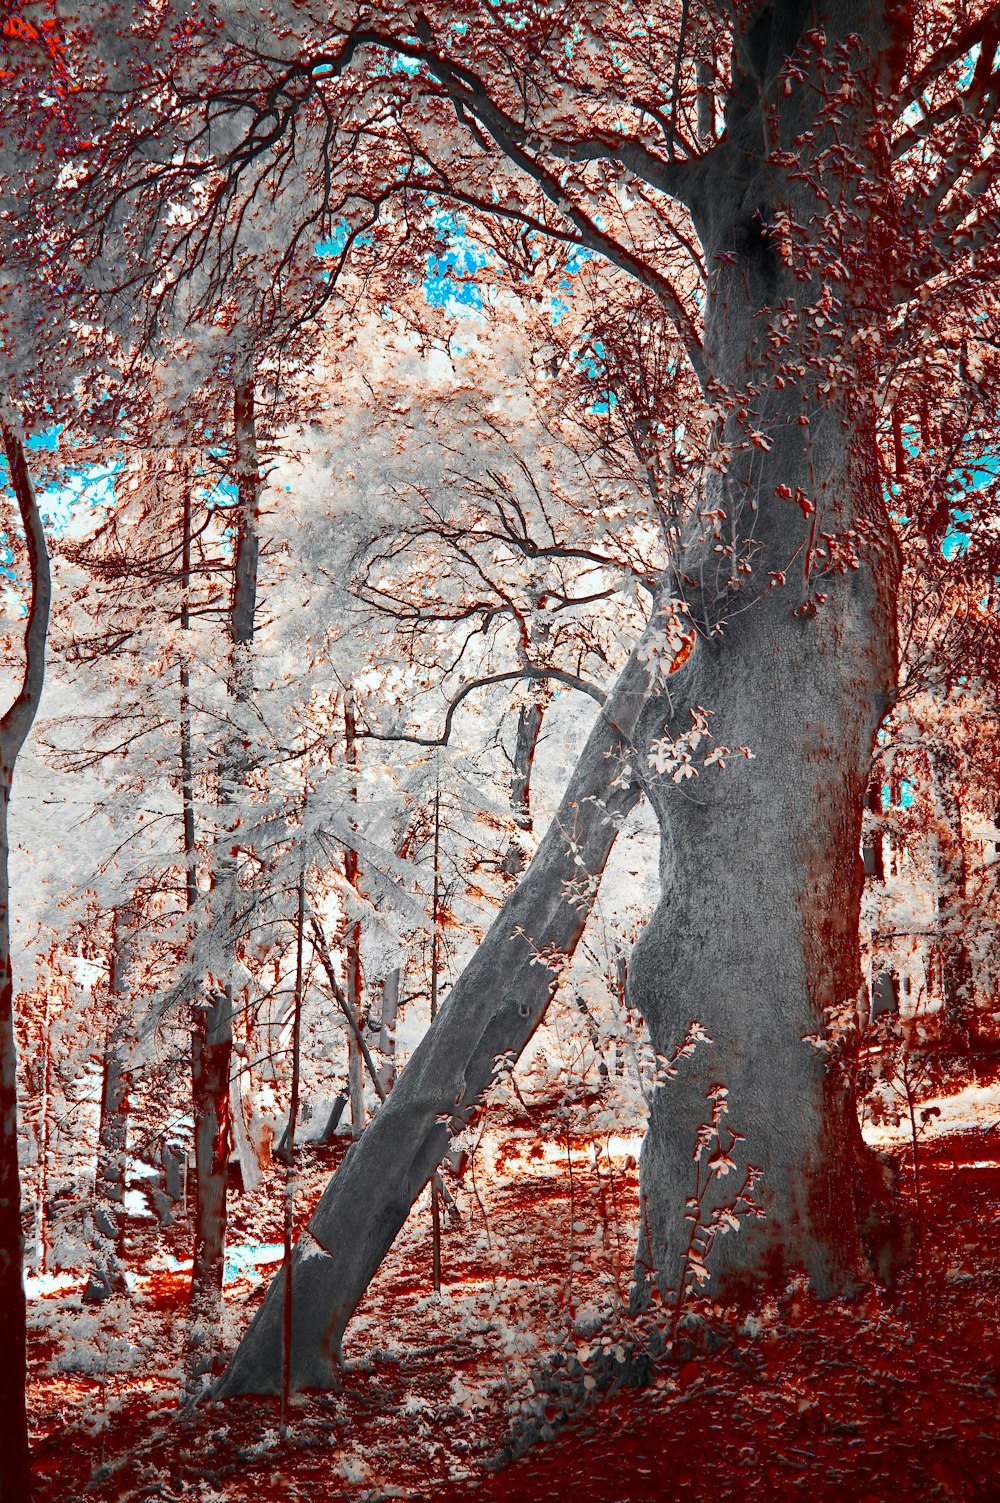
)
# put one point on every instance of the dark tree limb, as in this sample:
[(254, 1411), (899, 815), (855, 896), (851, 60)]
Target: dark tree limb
[(14, 728)]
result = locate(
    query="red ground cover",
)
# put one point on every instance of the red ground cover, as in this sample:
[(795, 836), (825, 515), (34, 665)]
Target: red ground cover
[(894, 1399)]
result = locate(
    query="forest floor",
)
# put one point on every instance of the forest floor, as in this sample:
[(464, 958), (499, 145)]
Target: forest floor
[(893, 1398)]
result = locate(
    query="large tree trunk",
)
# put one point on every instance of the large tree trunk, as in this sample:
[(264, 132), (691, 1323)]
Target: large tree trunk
[(491, 1012), (755, 938), (15, 1465), (756, 934)]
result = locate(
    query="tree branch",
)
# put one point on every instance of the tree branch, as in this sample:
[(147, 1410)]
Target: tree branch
[(16, 723), (528, 671), (323, 951), (968, 38), (679, 180)]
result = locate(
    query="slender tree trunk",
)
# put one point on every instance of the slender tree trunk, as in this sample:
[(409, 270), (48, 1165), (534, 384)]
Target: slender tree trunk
[(435, 977), (212, 1038), (15, 1472), (873, 861), (293, 1116), (529, 726), (355, 980), (490, 1014), (243, 610), (15, 1464), (211, 1060), (957, 968), (42, 1178), (355, 1075), (873, 850), (106, 1275), (387, 1028)]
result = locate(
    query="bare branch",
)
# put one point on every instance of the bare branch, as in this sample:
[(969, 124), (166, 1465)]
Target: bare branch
[(528, 671)]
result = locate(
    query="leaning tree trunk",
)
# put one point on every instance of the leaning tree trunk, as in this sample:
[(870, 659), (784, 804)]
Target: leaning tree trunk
[(489, 1015), (756, 934), (15, 1466)]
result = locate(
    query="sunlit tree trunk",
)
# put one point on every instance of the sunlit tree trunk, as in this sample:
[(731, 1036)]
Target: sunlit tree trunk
[(106, 1275), (756, 933), (14, 727), (352, 937)]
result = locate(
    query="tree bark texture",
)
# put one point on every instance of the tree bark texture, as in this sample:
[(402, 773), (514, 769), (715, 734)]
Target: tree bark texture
[(212, 1036), (490, 1013), (15, 1474), (529, 726), (211, 1061), (106, 1275), (756, 933), (352, 937), (15, 1466), (387, 1028)]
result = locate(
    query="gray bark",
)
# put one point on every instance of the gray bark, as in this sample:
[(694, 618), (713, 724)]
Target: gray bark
[(242, 1148), (756, 933), (529, 726), (491, 1012), (14, 728), (352, 935), (244, 601), (107, 1276), (212, 1034), (211, 1060)]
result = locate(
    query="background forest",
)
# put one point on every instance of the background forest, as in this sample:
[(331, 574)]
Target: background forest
[(500, 821)]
